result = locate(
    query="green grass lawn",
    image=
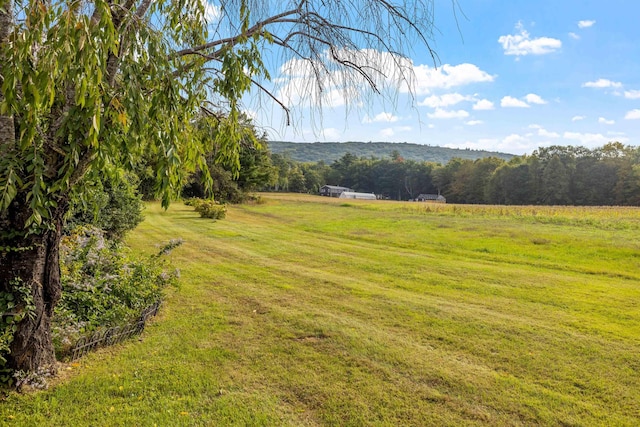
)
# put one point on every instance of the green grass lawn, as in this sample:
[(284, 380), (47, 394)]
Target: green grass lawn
[(312, 311)]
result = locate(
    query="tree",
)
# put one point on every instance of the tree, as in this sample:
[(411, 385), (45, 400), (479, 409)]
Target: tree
[(297, 182), (556, 182), (87, 85), (255, 171), (314, 176), (444, 177), (510, 183), (478, 187)]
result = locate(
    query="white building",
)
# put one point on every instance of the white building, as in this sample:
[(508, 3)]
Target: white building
[(354, 195)]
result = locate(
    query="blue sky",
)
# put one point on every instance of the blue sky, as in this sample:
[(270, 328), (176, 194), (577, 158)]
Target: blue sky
[(513, 76)]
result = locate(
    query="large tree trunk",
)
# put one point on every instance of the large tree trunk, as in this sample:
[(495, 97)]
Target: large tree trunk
[(28, 260), (34, 262)]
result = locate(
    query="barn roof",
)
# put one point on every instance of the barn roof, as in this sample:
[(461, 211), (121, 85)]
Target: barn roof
[(334, 187)]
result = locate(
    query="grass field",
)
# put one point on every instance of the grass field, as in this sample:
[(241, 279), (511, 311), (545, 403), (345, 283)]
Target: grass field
[(312, 311)]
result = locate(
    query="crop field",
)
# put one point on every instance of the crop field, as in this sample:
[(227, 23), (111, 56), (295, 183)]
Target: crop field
[(306, 311)]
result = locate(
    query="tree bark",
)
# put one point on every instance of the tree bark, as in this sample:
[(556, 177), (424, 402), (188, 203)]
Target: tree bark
[(7, 126), (34, 261)]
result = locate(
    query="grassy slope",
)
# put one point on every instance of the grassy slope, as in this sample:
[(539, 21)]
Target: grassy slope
[(309, 311)]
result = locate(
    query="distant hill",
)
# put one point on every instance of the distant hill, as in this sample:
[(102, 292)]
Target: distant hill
[(332, 151)]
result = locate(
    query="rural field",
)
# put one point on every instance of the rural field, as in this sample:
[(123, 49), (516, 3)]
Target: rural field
[(306, 311)]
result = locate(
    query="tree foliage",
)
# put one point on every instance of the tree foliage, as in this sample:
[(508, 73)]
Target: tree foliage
[(111, 204), (230, 182)]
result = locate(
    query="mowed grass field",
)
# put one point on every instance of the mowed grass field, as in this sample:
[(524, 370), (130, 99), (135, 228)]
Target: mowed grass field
[(307, 311)]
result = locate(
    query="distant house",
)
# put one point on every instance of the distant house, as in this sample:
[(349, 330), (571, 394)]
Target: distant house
[(332, 190), (431, 198), (354, 195)]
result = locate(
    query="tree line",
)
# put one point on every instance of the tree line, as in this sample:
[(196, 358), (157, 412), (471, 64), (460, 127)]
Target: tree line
[(556, 175)]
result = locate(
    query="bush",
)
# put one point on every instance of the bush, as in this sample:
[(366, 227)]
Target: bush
[(192, 201), (208, 208), (255, 199), (103, 285), (111, 204)]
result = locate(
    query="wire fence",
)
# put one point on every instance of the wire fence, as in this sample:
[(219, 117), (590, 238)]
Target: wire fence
[(113, 335)]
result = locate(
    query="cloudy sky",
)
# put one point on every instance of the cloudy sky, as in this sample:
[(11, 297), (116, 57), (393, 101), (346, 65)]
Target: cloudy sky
[(513, 76)]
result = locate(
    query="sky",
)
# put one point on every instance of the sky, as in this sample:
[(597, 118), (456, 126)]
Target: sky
[(512, 76)]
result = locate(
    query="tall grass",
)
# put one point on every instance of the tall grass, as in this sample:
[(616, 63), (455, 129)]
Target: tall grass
[(310, 311)]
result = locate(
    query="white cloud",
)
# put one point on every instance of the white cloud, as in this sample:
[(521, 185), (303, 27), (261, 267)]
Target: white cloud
[(511, 102), (334, 98), (473, 122), (543, 132), (513, 143), (633, 115), (577, 118), (546, 134), (302, 82), (602, 84), (522, 44), (387, 133), (532, 98), (328, 84), (446, 100), (483, 104), (590, 139), (447, 76), (381, 118), (586, 23), (632, 94), (448, 114), (604, 121), (513, 138), (574, 36), (331, 133)]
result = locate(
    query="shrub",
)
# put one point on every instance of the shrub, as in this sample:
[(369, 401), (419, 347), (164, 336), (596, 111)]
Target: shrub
[(255, 199), (103, 285), (209, 208)]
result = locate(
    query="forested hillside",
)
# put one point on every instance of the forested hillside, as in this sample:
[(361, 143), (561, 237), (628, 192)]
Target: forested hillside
[(609, 175), (332, 151)]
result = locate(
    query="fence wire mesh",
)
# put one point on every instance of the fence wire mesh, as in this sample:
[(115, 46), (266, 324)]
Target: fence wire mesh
[(113, 335)]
